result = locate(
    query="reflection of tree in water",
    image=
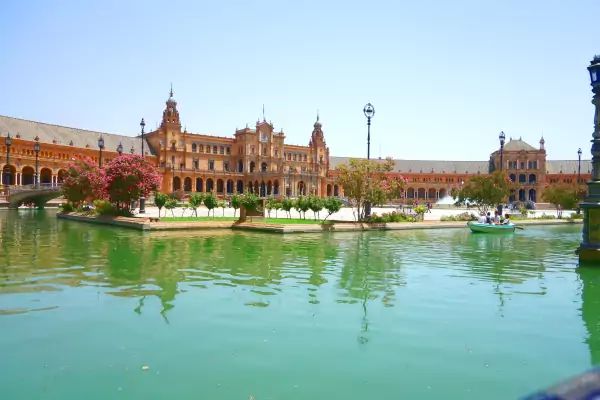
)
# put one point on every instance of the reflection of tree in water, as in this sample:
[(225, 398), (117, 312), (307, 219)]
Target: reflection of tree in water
[(371, 269), (590, 308)]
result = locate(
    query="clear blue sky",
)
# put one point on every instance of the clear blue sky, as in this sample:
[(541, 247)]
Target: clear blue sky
[(444, 76)]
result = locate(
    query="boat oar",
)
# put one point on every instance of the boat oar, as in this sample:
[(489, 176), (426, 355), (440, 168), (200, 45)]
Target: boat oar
[(519, 227)]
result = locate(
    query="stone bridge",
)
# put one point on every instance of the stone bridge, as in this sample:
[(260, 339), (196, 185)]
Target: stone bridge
[(14, 196)]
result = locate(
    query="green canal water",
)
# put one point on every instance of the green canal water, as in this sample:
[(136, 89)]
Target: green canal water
[(102, 313)]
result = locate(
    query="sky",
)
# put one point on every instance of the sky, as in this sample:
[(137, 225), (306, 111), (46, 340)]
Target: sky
[(445, 77)]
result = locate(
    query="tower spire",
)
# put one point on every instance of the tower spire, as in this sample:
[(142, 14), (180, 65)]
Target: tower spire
[(317, 115), (171, 91), (264, 112)]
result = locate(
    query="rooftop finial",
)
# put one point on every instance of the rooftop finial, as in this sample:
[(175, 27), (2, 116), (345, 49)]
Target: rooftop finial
[(317, 115), (171, 91), (264, 112)]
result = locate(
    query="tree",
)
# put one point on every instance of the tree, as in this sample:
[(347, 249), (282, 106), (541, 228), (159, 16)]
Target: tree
[(277, 206), (249, 201), (170, 205), (315, 204), (210, 202), (287, 204), (222, 204), (368, 181), (128, 177), (332, 205), (195, 201), (562, 196), (302, 205), (270, 205), (160, 199), (235, 203), (484, 191), (83, 182)]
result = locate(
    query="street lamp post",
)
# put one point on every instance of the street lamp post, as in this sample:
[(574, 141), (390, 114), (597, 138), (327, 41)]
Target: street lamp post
[(7, 142), (101, 147), (502, 137), (142, 197), (579, 165), (120, 148), (369, 112), (36, 149), (589, 249)]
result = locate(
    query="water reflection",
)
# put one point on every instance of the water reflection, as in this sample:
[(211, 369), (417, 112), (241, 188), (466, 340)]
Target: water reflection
[(590, 308)]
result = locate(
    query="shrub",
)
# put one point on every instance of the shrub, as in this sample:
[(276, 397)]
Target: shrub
[(128, 177), (66, 207), (332, 205), (249, 201), (315, 204), (466, 216), (210, 202), (392, 217), (195, 201), (302, 205), (160, 199), (235, 203), (287, 204), (83, 182), (104, 207), (170, 205)]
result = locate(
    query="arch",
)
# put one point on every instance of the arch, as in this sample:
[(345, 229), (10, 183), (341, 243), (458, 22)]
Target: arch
[(301, 188), (46, 176), (250, 187), (269, 188), (532, 178), (263, 167), (513, 177), (239, 186), (219, 185), (532, 195), (61, 175), (442, 193), (522, 178), (194, 147), (276, 187), (421, 193), (229, 186), (199, 184), (328, 189), (256, 187), (263, 189), (210, 185), (431, 194), (252, 166), (27, 176), (410, 193), (176, 183), (9, 175), (240, 166), (521, 194), (336, 190), (187, 184)]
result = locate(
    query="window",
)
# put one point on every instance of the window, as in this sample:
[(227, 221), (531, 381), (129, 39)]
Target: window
[(196, 164), (228, 150), (226, 166), (201, 148), (294, 157), (275, 152), (522, 166), (194, 147), (211, 165), (289, 157), (221, 150), (214, 149), (172, 160), (522, 178), (512, 165), (305, 158), (252, 150), (532, 164)]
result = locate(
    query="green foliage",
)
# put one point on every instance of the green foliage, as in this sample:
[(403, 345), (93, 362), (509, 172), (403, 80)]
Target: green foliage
[(315, 204), (392, 217), (236, 201), (249, 201), (286, 205), (332, 205), (195, 201), (170, 204), (210, 202), (223, 205), (160, 199), (563, 196), (484, 191), (66, 207), (367, 181), (302, 205), (271, 204), (104, 207), (466, 216)]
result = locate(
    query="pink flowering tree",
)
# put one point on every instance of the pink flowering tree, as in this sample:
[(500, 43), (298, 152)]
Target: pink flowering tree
[(127, 178), (83, 182)]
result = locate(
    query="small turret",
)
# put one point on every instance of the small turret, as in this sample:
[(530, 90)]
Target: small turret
[(542, 142)]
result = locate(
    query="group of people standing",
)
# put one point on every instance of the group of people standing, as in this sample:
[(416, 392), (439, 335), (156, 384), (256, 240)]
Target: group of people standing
[(496, 219)]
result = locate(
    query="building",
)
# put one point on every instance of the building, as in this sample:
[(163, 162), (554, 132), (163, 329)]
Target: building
[(259, 160)]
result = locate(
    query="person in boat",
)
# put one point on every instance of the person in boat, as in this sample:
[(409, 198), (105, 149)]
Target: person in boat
[(488, 218), (496, 219), (481, 218), (506, 219)]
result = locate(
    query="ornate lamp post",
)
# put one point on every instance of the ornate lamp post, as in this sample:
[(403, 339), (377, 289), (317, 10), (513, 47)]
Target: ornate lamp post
[(142, 197), (589, 250), (7, 142), (120, 148), (101, 147), (142, 125), (36, 149), (579, 165), (369, 112), (502, 137)]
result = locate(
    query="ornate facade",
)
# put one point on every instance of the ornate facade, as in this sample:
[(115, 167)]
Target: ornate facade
[(258, 160)]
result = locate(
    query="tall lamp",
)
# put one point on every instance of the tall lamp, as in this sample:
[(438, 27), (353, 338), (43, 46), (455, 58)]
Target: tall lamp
[(369, 112)]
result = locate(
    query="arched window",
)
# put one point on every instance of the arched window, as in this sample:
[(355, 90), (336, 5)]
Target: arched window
[(513, 177), (194, 147), (531, 178), (522, 178), (240, 166), (252, 166), (263, 167)]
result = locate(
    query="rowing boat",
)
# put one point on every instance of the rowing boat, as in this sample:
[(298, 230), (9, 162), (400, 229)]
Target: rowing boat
[(490, 228)]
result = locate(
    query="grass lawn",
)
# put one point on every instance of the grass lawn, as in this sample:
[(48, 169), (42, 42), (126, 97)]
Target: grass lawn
[(197, 219), (291, 221)]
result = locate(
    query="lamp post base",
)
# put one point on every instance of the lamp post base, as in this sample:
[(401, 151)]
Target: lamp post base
[(589, 256), (142, 205)]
